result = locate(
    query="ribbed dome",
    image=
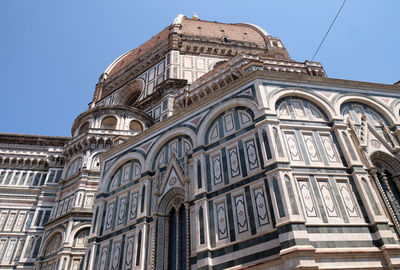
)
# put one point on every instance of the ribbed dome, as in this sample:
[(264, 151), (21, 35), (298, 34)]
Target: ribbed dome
[(239, 32)]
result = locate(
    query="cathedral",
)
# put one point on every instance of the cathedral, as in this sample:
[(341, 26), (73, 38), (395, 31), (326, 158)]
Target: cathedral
[(208, 147)]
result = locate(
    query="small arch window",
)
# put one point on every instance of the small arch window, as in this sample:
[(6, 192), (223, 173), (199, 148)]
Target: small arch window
[(299, 109), (178, 146), (109, 122), (228, 122), (81, 238), (53, 244), (127, 172), (83, 128), (135, 126), (355, 112), (96, 162), (74, 167)]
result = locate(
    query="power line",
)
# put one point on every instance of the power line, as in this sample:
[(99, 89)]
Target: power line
[(329, 29), (320, 45)]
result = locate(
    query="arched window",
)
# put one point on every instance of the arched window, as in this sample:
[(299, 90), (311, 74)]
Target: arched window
[(176, 223), (74, 167), (228, 122), (53, 244), (81, 237), (129, 171), (84, 128), (179, 146), (109, 122), (96, 162), (135, 126), (299, 109), (358, 112)]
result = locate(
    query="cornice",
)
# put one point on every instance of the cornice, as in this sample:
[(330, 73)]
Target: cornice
[(40, 140)]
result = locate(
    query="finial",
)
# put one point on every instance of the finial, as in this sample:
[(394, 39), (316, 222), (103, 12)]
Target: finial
[(195, 17)]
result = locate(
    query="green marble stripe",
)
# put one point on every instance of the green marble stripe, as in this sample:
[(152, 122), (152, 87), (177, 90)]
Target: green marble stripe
[(213, 194), (258, 145), (238, 246), (225, 168), (295, 242), (318, 199), (242, 159), (208, 172), (320, 147), (342, 244), (269, 199), (249, 258), (231, 223), (336, 193), (236, 119), (211, 223), (225, 139), (250, 210), (303, 149)]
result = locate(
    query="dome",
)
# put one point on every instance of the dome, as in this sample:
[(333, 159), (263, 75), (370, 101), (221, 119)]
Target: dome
[(243, 33)]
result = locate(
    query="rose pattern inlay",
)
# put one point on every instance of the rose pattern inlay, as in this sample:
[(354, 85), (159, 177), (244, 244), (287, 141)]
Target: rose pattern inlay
[(234, 161), (251, 154), (329, 148), (217, 170), (312, 150), (134, 204), (307, 198), (241, 213), (129, 253), (327, 198), (121, 211), (221, 221), (261, 206), (292, 145), (110, 216), (347, 198)]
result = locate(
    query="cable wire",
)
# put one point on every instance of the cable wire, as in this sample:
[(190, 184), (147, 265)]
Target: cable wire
[(319, 47)]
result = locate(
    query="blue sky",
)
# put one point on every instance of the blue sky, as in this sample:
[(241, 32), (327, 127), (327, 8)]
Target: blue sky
[(53, 52)]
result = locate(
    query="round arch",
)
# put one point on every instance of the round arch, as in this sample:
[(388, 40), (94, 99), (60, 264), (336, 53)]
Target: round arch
[(164, 139), (367, 100), (310, 96), (215, 112), (49, 238), (130, 93), (116, 165)]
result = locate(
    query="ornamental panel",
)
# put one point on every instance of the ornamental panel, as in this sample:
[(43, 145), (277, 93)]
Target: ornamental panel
[(261, 206), (121, 211), (234, 162), (251, 154), (329, 148), (348, 199), (134, 205), (115, 256), (222, 225), (129, 252), (217, 170), (293, 148), (311, 149), (327, 198), (110, 214), (103, 260), (307, 198), (241, 216)]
